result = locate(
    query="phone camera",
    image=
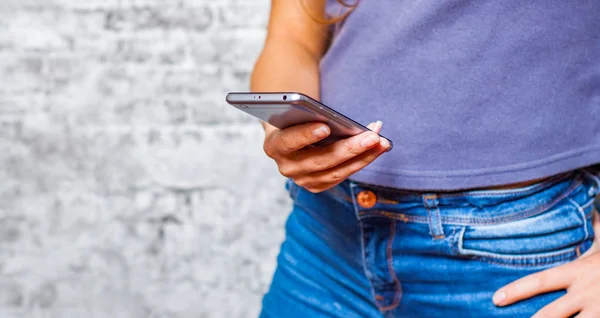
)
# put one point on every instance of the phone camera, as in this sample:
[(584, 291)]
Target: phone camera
[(284, 97)]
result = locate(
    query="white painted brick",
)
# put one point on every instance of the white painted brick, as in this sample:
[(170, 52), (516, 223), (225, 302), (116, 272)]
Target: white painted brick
[(130, 189)]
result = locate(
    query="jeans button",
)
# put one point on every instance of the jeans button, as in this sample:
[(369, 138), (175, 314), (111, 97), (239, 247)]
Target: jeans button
[(366, 199)]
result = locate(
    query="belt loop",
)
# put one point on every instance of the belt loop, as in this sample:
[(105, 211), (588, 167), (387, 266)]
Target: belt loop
[(430, 201), (595, 188), (352, 188)]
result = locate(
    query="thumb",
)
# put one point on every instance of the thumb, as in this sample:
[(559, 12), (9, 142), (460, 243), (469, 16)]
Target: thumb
[(376, 126)]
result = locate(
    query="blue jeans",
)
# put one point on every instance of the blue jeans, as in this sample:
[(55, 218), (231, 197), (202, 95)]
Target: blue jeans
[(360, 250)]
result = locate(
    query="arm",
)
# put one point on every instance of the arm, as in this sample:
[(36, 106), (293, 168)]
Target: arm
[(289, 61), (293, 48)]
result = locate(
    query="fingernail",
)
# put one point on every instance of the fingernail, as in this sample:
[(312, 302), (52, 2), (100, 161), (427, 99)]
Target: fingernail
[(369, 141), (499, 298), (378, 124), (384, 143), (321, 132)]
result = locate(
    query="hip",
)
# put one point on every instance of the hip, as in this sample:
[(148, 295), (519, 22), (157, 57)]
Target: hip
[(427, 254)]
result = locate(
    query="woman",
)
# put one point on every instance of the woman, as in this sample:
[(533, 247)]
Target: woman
[(484, 207)]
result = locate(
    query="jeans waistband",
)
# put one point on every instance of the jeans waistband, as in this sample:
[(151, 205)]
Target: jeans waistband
[(467, 206), (478, 198)]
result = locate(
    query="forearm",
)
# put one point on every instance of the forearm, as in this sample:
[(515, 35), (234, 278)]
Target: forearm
[(285, 66), (293, 49)]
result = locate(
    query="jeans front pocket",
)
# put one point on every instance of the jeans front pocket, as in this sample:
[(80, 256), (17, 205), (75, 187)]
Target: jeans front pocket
[(560, 234)]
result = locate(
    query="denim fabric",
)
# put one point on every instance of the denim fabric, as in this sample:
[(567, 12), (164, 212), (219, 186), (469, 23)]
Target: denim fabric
[(417, 254)]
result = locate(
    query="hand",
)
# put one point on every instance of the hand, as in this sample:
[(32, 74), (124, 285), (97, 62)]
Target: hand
[(320, 168), (581, 279)]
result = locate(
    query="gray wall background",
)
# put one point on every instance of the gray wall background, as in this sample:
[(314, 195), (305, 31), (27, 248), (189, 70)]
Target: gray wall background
[(128, 187)]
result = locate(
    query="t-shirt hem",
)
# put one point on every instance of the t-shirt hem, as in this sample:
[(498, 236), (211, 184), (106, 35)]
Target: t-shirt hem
[(478, 178)]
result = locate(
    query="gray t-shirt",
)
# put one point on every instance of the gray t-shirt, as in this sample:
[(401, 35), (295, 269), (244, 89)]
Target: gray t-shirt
[(472, 93)]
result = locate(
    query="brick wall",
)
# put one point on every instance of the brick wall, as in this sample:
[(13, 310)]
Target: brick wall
[(129, 188)]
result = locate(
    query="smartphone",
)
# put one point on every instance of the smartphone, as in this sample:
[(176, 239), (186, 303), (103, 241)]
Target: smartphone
[(284, 110)]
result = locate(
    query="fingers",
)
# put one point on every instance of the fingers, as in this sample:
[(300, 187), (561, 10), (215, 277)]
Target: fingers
[(320, 168), (327, 157), (323, 180), (565, 306), (295, 138), (546, 281), (588, 314), (376, 127), (580, 278)]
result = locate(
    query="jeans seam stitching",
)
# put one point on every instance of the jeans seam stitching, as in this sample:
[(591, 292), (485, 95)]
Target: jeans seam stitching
[(439, 224), (472, 221), (362, 238), (392, 215), (492, 193), (565, 256), (499, 260), (390, 261), (582, 214), (545, 183), (429, 221), (527, 213), (337, 194)]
